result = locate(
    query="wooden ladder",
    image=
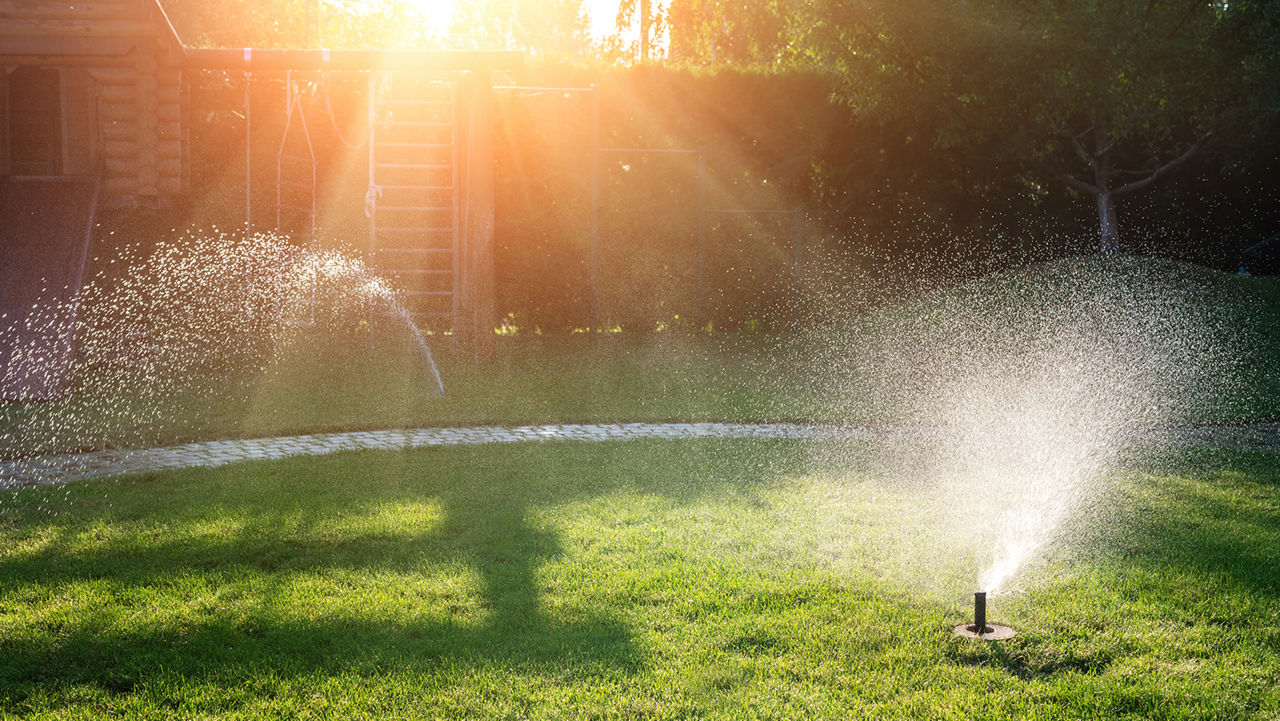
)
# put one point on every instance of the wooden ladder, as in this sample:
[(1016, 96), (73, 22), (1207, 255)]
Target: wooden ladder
[(414, 228)]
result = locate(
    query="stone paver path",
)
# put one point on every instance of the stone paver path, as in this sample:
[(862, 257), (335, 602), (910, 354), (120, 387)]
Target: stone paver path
[(105, 464)]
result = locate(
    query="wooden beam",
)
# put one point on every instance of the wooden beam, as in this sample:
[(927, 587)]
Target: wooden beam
[(4, 123), (257, 59), (77, 28), (480, 284), (14, 48), (47, 10)]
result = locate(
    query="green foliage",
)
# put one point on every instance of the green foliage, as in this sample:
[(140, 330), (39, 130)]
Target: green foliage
[(299, 23), (1103, 96), (708, 32), (549, 28)]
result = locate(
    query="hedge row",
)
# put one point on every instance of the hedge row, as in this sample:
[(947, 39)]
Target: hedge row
[(883, 206)]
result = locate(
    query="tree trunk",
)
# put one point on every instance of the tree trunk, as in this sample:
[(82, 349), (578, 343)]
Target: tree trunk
[(1107, 222)]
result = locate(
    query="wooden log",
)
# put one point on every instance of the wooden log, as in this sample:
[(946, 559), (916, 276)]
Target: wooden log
[(118, 131), (120, 185), (30, 59), (121, 167), (119, 149), (115, 93), (119, 113), (169, 94), (45, 10), (115, 75), (4, 126), (77, 28), (169, 150)]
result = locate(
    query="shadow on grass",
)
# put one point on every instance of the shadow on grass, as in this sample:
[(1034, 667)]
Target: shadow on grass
[(1213, 513), (1185, 545), (278, 522)]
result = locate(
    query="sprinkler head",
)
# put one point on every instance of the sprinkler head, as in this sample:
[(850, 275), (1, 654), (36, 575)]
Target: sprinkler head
[(980, 613), (980, 629)]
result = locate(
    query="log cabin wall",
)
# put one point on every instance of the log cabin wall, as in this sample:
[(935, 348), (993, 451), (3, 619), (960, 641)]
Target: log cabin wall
[(4, 122), (120, 92)]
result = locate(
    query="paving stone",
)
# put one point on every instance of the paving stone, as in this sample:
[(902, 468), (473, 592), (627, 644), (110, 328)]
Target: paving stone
[(108, 463)]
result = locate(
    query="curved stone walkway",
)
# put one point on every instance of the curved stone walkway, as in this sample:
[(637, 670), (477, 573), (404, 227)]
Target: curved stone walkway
[(105, 464)]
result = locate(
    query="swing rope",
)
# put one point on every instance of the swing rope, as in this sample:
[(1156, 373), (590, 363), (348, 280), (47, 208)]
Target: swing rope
[(333, 117)]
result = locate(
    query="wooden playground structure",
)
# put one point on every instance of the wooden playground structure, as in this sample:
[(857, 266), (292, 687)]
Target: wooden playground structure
[(101, 91)]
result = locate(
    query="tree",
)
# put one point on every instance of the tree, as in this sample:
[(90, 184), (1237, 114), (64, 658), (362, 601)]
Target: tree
[(650, 21), (1105, 97), (556, 28), (711, 32), (299, 23)]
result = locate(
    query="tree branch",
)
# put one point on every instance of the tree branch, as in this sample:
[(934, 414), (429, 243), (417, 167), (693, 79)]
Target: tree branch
[(1079, 184), (1084, 155), (1140, 184)]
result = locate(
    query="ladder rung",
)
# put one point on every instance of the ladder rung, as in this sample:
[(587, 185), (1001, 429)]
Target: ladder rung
[(414, 271), (415, 102), (381, 144), (422, 314), (416, 166), (419, 124), (413, 229)]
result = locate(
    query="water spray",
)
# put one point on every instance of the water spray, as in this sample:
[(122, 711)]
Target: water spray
[(980, 629)]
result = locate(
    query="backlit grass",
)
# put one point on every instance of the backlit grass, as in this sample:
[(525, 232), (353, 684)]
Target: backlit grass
[(648, 579)]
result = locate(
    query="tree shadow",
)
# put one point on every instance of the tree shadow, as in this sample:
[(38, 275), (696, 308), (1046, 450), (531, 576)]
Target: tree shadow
[(1208, 511), (278, 521)]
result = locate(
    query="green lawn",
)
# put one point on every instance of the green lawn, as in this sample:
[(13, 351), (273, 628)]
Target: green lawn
[(647, 579)]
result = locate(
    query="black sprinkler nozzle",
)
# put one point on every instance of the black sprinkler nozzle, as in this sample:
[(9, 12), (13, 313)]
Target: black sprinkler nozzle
[(980, 612)]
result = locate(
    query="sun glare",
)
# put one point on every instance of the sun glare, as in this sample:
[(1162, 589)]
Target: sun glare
[(600, 13), (436, 12)]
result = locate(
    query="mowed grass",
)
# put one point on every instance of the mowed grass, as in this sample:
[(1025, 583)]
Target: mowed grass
[(646, 579)]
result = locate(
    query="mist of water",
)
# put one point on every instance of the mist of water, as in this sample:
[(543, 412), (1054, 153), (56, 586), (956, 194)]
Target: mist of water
[(191, 321), (1017, 397)]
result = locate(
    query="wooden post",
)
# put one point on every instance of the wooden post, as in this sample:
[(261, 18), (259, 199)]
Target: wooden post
[(797, 248), (4, 120), (701, 314), (480, 286), (594, 323), (644, 31), (146, 105)]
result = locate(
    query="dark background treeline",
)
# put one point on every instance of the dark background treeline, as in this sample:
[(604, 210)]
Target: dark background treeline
[(884, 206)]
